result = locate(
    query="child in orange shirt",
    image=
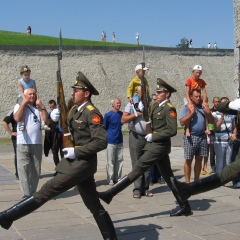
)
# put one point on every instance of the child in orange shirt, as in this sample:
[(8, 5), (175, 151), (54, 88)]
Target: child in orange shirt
[(193, 83)]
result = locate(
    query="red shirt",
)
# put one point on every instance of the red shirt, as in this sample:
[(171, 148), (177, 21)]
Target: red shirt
[(194, 84)]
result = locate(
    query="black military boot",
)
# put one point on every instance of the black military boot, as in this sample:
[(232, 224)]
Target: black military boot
[(184, 207), (106, 227), (184, 191), (19, 210), (108, 195)]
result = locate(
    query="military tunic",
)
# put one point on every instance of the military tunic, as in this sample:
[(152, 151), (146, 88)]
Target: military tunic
[(164, 126), (89, 137)]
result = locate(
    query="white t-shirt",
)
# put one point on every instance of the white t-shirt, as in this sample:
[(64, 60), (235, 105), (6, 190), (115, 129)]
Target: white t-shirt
[(32, 133), (222, 134), (138, 125)]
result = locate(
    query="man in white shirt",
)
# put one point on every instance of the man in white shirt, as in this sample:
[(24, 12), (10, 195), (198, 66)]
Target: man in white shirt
[(29, 141)]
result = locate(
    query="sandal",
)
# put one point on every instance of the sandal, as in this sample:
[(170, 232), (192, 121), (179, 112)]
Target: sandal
[(208, 171), (148, 194), (137, 195)]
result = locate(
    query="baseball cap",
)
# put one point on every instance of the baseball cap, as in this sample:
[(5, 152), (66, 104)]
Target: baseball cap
[(139, 66), (197, 67)]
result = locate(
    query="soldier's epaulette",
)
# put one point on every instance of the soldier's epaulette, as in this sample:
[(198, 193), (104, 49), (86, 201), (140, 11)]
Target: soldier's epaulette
[(90, 107), (170, 105)]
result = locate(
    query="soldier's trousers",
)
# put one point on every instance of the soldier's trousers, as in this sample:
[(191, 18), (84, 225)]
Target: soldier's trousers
[(231, 172), (154, 153), (62, 182)]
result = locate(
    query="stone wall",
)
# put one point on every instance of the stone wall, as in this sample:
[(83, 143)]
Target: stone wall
[(111, 69), (236, 39)]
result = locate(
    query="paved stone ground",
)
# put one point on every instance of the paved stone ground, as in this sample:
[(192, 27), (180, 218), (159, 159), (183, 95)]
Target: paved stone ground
[(216, 214)]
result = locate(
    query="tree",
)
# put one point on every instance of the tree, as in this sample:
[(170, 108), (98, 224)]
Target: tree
[(183, 43)]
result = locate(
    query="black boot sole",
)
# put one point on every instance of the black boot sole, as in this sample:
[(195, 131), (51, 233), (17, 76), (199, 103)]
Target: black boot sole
[(4, 222)]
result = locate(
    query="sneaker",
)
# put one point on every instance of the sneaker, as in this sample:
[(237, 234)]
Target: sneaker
[(45, 127), (202, 172)]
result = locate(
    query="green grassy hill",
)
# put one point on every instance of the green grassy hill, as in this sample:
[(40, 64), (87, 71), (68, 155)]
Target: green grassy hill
[(15, 38)]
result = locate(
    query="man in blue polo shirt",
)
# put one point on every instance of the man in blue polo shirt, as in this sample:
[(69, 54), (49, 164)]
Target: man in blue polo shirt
[(196, 143), (112, 123)]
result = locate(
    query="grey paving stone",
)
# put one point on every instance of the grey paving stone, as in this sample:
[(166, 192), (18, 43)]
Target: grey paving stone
[(216, 214)]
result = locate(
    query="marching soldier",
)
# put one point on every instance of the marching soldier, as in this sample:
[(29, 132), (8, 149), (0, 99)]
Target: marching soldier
[(164, 126), (79, 165)]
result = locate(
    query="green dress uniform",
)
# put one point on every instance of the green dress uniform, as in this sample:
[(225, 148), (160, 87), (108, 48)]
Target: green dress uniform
[(89, 137), (164, 126)]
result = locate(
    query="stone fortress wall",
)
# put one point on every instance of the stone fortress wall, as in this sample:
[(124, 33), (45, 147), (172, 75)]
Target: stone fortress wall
[(111, 69)]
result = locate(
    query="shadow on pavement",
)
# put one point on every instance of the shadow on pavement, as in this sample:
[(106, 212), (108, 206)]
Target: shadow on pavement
[(147, 232)]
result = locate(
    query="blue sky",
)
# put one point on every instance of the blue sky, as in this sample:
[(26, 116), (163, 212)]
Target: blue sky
[(158, 22)]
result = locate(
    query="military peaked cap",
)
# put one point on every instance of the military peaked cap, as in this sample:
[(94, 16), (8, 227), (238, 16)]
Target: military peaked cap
[(83, 83), (163, 86)]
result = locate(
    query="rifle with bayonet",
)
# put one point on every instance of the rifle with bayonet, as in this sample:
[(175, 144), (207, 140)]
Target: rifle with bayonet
[(67, 138), (145, 97)]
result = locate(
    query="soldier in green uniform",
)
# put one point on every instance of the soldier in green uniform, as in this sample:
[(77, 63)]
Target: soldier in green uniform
[(79, 165), (164, 126), (229, 173)]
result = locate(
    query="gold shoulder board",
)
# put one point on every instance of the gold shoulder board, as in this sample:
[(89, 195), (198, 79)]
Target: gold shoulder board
[(170, 105), (90, 108)]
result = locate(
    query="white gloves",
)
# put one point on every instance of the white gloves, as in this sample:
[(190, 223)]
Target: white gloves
[(235, 105), (55, 115), (140, 106), (149, 137), (69, 153)]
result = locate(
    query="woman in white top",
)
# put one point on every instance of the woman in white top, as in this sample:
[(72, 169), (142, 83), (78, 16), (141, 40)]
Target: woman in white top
[(224, 125)]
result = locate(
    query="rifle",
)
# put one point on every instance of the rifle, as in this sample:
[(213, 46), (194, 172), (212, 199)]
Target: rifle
[(67, 138), (144, 98)]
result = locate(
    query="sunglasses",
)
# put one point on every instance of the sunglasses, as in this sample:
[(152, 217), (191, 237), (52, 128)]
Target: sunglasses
[(35, 119)]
